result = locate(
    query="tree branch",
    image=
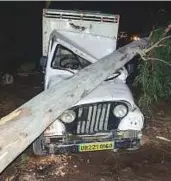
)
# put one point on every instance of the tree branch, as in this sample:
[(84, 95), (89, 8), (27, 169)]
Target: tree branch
[(156, 45)]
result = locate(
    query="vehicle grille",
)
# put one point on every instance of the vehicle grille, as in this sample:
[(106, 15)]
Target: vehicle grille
[(93, 118)]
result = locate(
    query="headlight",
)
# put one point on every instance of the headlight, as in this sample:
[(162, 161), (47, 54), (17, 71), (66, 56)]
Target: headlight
[(68, 116), (120, 111)]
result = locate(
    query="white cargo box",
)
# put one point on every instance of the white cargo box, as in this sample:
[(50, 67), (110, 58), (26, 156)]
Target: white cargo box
[(95, 32)]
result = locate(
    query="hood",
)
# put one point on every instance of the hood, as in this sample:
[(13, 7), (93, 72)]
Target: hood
[(114, 90), (109, 91)]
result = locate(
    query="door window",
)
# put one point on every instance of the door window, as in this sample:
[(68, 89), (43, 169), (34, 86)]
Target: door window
[(65, 58)]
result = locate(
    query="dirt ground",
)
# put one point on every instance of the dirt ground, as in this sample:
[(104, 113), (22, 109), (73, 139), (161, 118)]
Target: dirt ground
[(152, 162)]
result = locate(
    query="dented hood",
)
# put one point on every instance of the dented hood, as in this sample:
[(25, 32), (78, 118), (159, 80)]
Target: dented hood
[(109, 91), (114, 90)]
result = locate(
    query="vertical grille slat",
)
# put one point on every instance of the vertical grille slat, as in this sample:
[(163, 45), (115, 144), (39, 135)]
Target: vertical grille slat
[(99, 111), (83, 126), (93, 118), (79, 118), (102, 118), (107, 117), (105, 113), (88, 119)]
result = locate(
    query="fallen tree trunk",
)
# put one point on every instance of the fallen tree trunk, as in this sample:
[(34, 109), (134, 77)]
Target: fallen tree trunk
[(20, 128)]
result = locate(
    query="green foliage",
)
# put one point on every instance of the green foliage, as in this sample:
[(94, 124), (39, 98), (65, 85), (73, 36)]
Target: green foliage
[(154, 78)]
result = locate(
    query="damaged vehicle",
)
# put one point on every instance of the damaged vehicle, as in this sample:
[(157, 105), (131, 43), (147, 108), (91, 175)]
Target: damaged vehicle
[(105, 119)]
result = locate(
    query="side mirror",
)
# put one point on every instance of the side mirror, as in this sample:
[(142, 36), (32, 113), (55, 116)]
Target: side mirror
[(43, 61), (130, 68)]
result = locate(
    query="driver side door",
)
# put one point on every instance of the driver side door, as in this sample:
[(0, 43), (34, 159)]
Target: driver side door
[(62, 63), (65, 59)]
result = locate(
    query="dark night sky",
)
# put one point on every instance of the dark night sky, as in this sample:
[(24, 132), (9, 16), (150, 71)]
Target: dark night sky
[(20, 30)]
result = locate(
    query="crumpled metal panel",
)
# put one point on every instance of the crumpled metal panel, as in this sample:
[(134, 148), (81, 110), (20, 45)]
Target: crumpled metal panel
[(95, 32)]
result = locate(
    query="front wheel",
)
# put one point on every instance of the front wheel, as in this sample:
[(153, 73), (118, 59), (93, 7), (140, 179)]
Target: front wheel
[(38, 146), (134, 148)]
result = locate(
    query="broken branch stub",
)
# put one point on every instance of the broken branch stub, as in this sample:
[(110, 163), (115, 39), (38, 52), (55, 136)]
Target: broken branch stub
[(24, 125)]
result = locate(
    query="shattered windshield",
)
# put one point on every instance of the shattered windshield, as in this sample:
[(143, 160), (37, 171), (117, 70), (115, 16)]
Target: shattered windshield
[(65, 58)]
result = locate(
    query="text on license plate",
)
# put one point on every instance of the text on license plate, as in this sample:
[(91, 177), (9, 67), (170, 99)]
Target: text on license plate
[(96, 146)]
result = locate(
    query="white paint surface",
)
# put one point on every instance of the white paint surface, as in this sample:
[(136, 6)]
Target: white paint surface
[(99, 37), (95, 42)]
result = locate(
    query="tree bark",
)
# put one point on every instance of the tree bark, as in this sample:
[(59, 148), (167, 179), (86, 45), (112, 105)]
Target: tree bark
[(20, 128)]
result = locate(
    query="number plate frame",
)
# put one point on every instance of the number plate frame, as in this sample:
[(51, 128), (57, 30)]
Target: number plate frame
[(98, 146)]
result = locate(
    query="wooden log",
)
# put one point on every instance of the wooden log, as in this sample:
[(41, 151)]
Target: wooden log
[(20, 128)]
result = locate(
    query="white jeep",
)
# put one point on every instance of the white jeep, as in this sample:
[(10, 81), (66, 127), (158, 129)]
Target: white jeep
[(105, 119)]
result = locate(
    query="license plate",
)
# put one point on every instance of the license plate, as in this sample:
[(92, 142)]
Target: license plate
[(96, 146)]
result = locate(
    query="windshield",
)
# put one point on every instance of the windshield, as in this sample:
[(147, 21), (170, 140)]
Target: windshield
[(66, 59)]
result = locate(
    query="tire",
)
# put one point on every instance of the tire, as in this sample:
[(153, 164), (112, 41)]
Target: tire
[(38, 146), (134, 148)]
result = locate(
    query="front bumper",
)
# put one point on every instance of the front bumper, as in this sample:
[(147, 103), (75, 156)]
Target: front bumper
[(72, 144)]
